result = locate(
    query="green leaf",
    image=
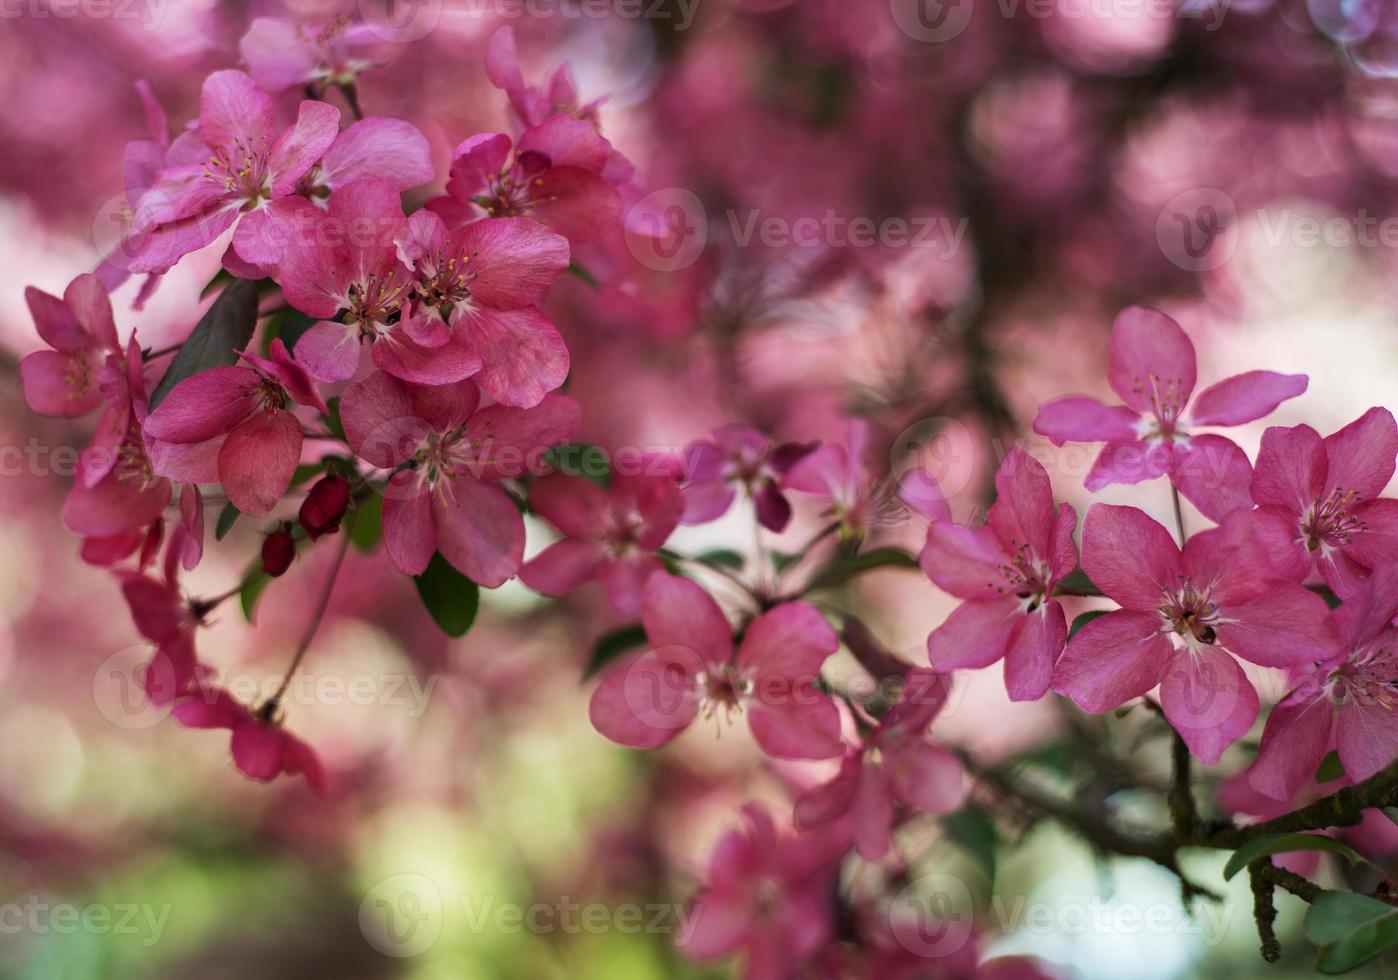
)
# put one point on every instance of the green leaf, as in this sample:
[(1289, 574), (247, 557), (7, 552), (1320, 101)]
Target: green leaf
[(254, 583), (1330, 768), (1350, 929), (366, 530), (1085, 618), (613, 644), (332, 419), (1325, 592), (975, 832), (290, 324), (781, 561), (305, 471), (576, 270), (581, 459), (1077, 582), (1262, 847), (221, 278), (721, 558), (226, 519), (449, 596), (216, 340), (1391, 812), (841, 570)]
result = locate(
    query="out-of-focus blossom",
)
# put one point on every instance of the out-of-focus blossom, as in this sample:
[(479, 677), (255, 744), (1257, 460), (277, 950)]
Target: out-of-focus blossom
[(261, 748), (895, 764), (1006, 571), (611, 534), (284, 53), (1153, 370), (691, 666), (739, 457), (67, 380)]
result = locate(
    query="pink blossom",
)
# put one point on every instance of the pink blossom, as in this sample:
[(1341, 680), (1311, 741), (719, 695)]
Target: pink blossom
[(739, 457), (610, 534), (1316, 499), (448, 498), (281, 54), (895, 764), (532, 105), (392, 149), (67, 380), (554, 175), (230, 168), (234, 425), (1153, 368), (262, 749), (1184, 617), (838, 475), (690, 666), (1006, 571), (1346, 703), (769, 897), (480, 283), (163, 615)]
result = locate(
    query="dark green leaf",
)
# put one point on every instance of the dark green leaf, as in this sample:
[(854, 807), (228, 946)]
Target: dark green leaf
[(1350, 929), (581, 459), (973, 829), (1077, 583), (289, 325), (721, 558), (216, 340), (366, 528), (221, 278), (841, 570), (613, 644), (1085, 618), (449, 596), (1324, 591), (254, 583), (226, 518), (576, 270), (1391, 812), (782, 561), (1262, 847), (1330, 768), (305, 471)]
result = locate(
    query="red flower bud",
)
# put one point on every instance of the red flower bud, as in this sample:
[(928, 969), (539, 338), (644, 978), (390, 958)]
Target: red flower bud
[(324, 506), (277, 551)]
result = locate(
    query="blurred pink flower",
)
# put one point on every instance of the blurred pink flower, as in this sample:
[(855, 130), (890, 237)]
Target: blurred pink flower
[(1153, 369), (261, 748), (739, 457), (67, 380), (281, 54)]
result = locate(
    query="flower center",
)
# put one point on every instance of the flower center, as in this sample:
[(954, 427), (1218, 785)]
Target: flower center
[(1369, 678), (1330, 523), (1024, 576), (1191, 615), (243, 172)]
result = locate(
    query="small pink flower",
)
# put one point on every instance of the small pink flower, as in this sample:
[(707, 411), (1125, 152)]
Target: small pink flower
[(739, 457), (611, 534), (282, 54), (895, 764), (1184, 617), (691, 666), (233, 425), (164, 616), (231, 167), (534, 105), (838, 475), (1153, 369), (480, 283), (66, 381), (1346, 703), (554, 175), (447, 498), (769, 897), (1316, 499), (262, 749), (1006, 571)]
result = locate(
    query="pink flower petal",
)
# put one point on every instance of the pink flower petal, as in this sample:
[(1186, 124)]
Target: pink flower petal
[(203, 406), (1245, 397), (479, 530), (1361, 455), (54, 321), (329, 351), (1129, 556), (872, 812), (791, 640), (975, 635), (523, 358), (1213, 474), (1208, 700), (563, 566), (794, 721), (409, 536), (963, 562), (574, 505), (381, 423), (475, 163), (1152, 366), (644, 701), (257, 750), (926, 776), (61, 384), (513, 260), (1286, 626), (624, 580), (1078, 418), (258, 459), (1033, 649), (297, 149), (1128, 463), (1024, 512), (401, 356), (830, 801), (1366, 734), (579, 205), (1113, 659), (234, 114), (210, 708), (1293, 743), (512, 441), (677, 612), (1290, 470), (378, 147)]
